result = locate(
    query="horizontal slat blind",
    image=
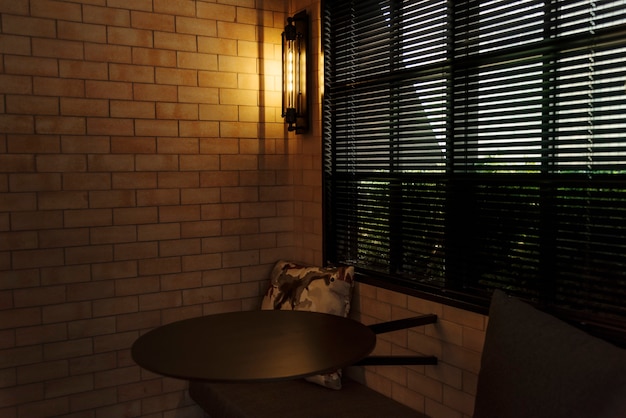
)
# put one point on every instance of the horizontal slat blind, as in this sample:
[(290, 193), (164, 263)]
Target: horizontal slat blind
[(389, 116), (473, 145), (590, 244)]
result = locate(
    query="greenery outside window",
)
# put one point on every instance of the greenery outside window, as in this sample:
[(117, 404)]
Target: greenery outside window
[(473, 145)]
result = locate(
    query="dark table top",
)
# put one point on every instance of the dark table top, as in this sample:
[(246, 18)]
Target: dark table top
[(254, 346)]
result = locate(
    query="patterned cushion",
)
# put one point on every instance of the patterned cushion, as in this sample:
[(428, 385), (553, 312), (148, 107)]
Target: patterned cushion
[(296, 286)]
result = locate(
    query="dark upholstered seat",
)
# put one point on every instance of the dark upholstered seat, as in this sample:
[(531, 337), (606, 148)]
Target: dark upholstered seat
[(536, 366), (295, 398)]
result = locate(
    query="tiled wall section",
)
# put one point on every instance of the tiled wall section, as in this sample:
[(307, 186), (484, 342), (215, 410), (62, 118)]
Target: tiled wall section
[(145, 176), (446, 390)]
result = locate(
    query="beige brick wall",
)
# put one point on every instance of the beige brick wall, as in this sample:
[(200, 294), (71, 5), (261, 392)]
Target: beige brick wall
[(445, 390), (145, 177)]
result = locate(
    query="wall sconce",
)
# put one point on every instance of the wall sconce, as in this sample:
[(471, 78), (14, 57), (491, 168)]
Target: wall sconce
[(295, 102)]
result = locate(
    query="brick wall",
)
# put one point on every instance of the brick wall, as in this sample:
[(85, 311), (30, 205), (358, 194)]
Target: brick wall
[(146, 177), (446, 390)]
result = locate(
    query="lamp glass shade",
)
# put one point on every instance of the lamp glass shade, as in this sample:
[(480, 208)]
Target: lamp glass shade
[(294, 44)]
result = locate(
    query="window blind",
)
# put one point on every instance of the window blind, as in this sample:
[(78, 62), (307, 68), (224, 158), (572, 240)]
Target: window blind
[(474, 145)]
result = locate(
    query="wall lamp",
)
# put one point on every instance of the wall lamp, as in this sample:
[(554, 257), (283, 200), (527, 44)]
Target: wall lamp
[(295, 102)]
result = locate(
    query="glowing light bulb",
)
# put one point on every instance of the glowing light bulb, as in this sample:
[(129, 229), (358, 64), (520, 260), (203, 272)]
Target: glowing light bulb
[(290, 82)]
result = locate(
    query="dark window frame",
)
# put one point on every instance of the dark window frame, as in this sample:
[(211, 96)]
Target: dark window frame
[(379, 196)]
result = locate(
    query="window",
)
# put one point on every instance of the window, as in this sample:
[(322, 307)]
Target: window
[(473, 145)]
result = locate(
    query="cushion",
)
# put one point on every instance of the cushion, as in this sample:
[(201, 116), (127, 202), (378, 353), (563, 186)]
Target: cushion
[(297, 286), (534, 365)]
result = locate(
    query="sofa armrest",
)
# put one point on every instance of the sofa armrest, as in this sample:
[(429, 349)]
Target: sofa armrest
[(534, 365)]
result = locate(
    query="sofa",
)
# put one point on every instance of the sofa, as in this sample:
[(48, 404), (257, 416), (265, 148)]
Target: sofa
[(295, 398), (297, 286), (533, 365)]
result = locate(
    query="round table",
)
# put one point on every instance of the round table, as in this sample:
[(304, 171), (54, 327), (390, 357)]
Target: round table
[(253, 346)]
